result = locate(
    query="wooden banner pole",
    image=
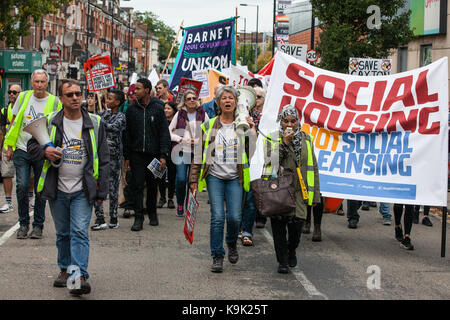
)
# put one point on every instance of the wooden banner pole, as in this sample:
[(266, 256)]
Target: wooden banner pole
[(173, 45)]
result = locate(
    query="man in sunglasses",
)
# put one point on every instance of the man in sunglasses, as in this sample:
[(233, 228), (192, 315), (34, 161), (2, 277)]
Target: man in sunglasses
[(8, 166), (30, 105), (73, 188)]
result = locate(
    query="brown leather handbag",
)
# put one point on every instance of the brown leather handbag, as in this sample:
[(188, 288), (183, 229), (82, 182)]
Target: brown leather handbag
[(275, 195)]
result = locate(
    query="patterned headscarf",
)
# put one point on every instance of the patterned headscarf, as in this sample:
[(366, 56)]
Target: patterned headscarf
[(290, 110)]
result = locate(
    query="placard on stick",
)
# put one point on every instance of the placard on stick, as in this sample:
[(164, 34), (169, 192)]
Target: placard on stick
[(99, 73), (191, 216)]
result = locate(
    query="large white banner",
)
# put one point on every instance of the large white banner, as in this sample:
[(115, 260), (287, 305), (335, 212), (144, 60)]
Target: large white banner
[(376, 138)]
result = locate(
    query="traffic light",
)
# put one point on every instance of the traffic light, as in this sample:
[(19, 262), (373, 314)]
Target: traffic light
[(2, 75)]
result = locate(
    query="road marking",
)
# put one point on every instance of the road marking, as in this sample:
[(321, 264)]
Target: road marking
[(299, 275), (11, 231)]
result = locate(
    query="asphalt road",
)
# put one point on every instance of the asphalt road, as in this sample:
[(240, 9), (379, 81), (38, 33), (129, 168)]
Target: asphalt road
[(158, 263)]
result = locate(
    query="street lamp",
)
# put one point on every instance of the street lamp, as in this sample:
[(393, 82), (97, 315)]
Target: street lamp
[(257, 17)]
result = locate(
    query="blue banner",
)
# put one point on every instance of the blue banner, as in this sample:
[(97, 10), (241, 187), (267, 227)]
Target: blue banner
[(208, 46)]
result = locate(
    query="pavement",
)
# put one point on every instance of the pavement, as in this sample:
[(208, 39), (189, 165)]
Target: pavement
[(158, 263)]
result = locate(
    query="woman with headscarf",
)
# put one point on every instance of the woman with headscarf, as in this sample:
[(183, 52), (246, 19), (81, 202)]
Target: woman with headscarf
[(295, 150)]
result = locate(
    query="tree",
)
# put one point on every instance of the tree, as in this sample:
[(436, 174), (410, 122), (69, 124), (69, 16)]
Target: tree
[(349, 31), (13, 26), (163, 32), (246, 54)]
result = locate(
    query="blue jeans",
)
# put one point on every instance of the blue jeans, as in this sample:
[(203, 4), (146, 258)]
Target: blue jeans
[(217, 189), (71, 214), (181, 179), (385, 210), (23, 163), (249, 217)]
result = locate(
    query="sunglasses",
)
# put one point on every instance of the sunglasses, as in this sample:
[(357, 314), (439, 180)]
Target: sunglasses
[(71, 94), (13, 92), (259, 97), (191, 99)]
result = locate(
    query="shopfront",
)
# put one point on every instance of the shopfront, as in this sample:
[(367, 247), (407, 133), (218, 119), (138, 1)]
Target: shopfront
[(18, 66)]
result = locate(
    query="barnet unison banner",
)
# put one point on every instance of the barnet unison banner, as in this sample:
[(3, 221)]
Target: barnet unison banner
[(208, 46), (376, 138)]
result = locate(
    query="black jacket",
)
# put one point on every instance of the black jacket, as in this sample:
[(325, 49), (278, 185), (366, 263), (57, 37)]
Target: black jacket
[(147, 130), (95, 190)]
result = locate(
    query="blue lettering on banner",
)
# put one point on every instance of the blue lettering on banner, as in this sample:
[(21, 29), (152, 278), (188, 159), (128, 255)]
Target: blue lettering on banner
[(357, 187)]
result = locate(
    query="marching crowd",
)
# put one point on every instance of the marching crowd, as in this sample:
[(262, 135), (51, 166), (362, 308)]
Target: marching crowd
[(101, 148)]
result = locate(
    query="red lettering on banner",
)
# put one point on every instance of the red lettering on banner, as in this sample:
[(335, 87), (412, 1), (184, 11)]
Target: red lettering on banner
[(362, 120), (338, 92), (284, 102), (409, 124), (293, 73), (334, 117), (321, 120), (378, 94), (422, 90), (382, 122), (407, 97), (352, 95), (423, 121)]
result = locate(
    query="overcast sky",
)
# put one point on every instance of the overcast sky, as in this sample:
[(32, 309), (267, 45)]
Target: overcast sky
[(195, 12)]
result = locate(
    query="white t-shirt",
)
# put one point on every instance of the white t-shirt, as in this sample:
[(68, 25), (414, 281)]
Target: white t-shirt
[(34, 110), (224, 164), (70, 174)]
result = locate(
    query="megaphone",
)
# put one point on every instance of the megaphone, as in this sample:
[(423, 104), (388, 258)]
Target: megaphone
[(38, 129), (246, 101)]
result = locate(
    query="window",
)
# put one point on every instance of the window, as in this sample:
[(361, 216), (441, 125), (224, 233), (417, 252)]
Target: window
[(402, 59), (426, 54)]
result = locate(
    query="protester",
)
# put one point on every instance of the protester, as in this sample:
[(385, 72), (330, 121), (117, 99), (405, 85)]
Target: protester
[(81, 180), (255, 82), (185, 131), (92, 103), (162, 91), (352, 213), (114, 122), (295, 150), (131, 96), (29, 106), (425, 220), (404, 239), (385, 211), (211, 108), (224, 171), (170, 109), (367, 204), (147, 137), (7, 167)]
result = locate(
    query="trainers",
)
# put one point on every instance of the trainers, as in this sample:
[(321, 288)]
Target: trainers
[(161, 203), (217, 265), (113, 223), (99, 224), (61, 280), (399, 234), (6, 208), (170, 204), (365, 207), (283, 268), (127, 214), (85, 288), (180, 211), (233, 255), (427, 222), (36, 233), (387, 222), (23, 232), (406, 244), (352, 224)]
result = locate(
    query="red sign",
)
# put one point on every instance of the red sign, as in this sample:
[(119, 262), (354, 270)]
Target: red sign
[(311, 55), (191, 216), (188, 84), (99, 73)]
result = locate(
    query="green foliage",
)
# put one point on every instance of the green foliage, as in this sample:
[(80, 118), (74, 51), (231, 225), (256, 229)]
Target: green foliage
[(345, 32), (246, 54), (13, 26), (163, 32)]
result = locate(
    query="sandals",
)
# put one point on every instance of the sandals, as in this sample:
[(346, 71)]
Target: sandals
[(247, 241)]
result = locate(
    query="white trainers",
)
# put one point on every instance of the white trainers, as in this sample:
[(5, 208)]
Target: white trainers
[(6, 208)]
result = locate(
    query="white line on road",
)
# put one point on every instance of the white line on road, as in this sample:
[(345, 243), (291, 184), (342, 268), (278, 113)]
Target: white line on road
[(299, 275), (11, 231)]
